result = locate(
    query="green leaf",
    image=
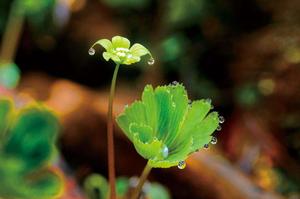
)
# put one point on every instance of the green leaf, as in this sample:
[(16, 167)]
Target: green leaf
[(148, 150), (162, 163), (157, 191), (164, 106), (164, 128), (15, 183), (203, 131), (149, 101), (96, 186), (43, 185), (144, 132), (122, 186), (195, 115), (133, 114), (179, 109), (32, 136), (5, 113)]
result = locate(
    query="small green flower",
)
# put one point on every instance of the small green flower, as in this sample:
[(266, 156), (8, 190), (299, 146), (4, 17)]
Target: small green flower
[(118, 50), (165, 127)]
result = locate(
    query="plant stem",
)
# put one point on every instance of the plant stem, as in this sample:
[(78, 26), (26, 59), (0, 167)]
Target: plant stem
[(142, 180), (110, 136), (12, 33)]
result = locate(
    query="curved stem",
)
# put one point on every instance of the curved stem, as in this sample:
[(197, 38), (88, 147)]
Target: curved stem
[(142, 180), (12, 33), (110, 136)]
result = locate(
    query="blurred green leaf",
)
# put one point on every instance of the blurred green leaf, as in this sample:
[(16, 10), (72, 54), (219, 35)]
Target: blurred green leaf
[(157, 191), (247, 95), (127, 4), (32, 136), (29, 144), (96, 187), (173, 47), (122, 186), (5, 113)]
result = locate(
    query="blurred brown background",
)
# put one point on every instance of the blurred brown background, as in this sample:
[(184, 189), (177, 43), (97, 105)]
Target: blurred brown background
[(244, 55)]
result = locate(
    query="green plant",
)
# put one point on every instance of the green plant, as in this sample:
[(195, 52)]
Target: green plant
[(96, 187), (10, 74), (27, 144), (166, 127), (117, 50)]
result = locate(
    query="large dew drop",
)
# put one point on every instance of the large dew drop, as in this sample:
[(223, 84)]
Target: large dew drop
[(181, 164), (214, 140), (151, 61), (92, 51), (165, 151)]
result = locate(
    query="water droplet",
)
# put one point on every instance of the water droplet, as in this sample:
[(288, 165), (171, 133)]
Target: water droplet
[(206, 146), (181, 164), (208, 100), (165, 151), (212, 107), (219, 128), (214, 140), (151, 61), (221, 119), (92, 51), (174, 83)]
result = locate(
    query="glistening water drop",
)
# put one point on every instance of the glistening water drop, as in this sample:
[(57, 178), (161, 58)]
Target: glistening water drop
[(151, 61), (92, 51), (221, 119), (214, 140), (181, 164), (165, 151)]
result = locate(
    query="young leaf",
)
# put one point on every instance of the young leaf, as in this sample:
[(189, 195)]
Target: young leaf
[(165, 128)]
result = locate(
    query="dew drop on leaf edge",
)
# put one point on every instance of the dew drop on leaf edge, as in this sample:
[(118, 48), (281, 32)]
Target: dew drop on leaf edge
[(92, 51), (214, 140), (181, 164), (219, 128), (221, 119), (151, 61), (174, 83), (206, 146)]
